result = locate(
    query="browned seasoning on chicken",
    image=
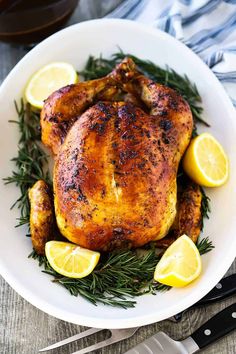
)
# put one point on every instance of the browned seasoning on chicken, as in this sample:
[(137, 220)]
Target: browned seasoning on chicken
[(116, 164), (64, 106), (41, 216)]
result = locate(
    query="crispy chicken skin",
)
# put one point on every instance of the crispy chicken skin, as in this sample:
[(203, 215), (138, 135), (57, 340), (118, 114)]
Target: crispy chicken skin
[(189, 216), (41, 216), (115, 173)]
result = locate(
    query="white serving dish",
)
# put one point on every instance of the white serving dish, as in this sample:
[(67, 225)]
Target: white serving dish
[(74, 44)]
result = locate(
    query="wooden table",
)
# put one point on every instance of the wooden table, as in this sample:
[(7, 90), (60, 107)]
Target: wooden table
[(24, 329)]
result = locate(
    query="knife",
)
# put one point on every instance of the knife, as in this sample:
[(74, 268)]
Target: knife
[(226, 287), (218, 326)]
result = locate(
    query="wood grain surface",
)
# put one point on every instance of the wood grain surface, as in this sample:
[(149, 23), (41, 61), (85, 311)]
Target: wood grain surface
[(24, 329)]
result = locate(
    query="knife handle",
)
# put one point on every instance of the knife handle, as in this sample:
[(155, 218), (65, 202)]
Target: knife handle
[(225, 288), (217, 327)]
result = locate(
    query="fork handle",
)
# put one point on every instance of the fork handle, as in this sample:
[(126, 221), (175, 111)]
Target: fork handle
[(217, 327)]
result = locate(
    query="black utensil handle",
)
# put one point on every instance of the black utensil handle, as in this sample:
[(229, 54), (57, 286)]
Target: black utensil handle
[(225, 288), (217, 327)]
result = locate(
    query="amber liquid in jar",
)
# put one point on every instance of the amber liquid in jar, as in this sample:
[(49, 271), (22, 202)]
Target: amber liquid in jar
[(29, 21)]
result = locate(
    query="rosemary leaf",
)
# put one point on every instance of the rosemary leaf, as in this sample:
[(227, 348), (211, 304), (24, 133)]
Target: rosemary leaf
[(161, 287)]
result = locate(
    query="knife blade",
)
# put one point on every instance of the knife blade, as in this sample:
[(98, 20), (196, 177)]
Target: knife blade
[(161, 343), (209, 332), (225, 288)]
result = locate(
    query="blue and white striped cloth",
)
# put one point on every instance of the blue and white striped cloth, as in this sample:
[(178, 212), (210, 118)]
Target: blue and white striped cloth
[(208, 27)]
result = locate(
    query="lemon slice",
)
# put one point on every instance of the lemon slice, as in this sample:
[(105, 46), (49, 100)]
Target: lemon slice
[(206, 162), (180, 264), (48, 79), (71, 260)]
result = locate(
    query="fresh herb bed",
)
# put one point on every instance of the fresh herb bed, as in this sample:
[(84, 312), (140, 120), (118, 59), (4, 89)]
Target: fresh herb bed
[(119, 276)]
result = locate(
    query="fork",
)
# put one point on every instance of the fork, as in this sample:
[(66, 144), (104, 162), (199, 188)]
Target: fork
[(116, 336)]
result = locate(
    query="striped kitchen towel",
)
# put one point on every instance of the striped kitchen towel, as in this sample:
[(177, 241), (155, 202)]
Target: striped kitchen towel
[(208, 27)]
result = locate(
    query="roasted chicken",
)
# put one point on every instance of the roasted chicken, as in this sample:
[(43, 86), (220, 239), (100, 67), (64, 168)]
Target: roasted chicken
[(116, 163)]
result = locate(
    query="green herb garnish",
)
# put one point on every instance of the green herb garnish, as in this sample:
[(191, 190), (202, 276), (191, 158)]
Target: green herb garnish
[(205, 205), (31, 160), (118, 276), (204, 246)]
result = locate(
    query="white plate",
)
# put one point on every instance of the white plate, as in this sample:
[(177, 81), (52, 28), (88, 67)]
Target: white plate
[(74, 45)]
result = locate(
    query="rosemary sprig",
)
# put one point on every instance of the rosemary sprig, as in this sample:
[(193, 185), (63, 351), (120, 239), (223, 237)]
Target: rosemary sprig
[(99, 67), (205, 206), (204, 245), (118, 277), (31, 160)]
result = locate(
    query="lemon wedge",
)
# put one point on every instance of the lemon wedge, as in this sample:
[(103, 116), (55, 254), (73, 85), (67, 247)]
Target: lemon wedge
[(180, 264), (71, 260), (48, 79), (206, 162)]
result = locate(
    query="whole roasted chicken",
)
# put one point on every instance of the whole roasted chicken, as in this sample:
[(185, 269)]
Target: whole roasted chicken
[(117, 143)]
